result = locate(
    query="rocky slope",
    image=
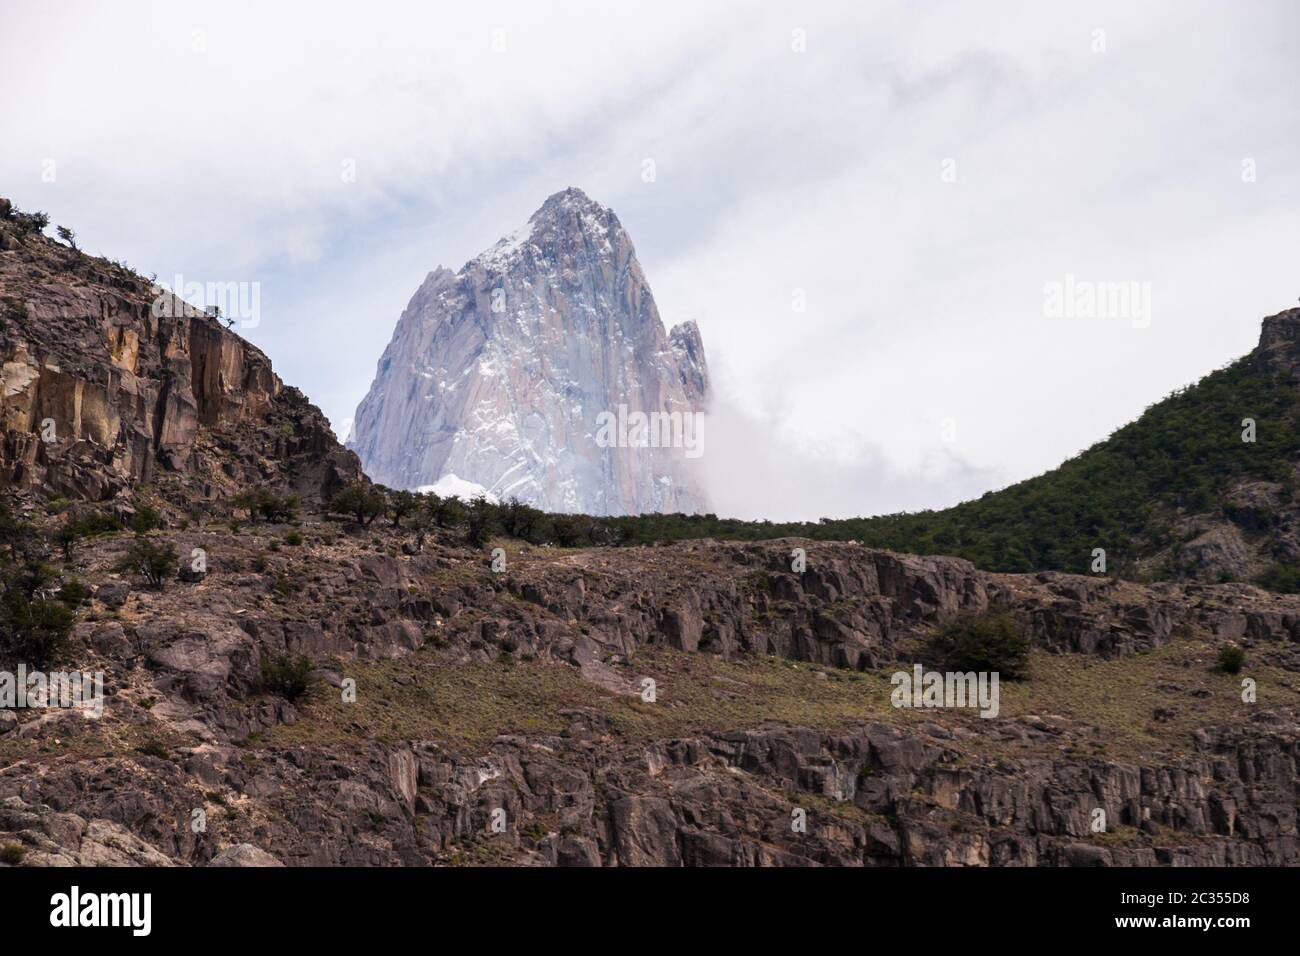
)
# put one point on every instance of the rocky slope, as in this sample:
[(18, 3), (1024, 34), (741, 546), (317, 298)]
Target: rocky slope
[(500, 373), (517, 698), (108, 382)]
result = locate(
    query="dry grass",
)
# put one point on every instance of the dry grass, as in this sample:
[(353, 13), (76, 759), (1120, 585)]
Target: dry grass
[(1104, 707)]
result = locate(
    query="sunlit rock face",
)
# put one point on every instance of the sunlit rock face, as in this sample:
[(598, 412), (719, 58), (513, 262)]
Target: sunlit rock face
[(542, 371)]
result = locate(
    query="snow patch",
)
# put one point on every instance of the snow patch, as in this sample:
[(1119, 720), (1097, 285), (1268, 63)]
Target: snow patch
[(451, 486)]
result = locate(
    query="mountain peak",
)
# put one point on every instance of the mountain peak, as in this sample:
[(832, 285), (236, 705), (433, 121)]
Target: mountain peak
[(570, 198), (567, 213), (506, 376)]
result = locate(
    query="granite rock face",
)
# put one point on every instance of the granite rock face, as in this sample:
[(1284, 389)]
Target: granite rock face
[(108, 382), (519, 371)]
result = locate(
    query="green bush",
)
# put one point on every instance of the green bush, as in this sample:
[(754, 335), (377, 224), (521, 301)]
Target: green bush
[(1281, 579), (34, 623), (146, 518), (74, 592), (266, 505), (12, 853), (153, 562), (1231, 658), (362, 501), (287, 675), (982, 642), (84, 524)]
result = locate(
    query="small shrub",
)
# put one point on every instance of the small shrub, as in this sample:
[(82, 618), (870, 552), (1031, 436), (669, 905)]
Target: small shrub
[(285, 586), (1281, 579), (293, 539), (983, 642), (12, 853), (153, 562), (154, 748), (287, 675), (74, 592), (1231, 658), (146, 518)]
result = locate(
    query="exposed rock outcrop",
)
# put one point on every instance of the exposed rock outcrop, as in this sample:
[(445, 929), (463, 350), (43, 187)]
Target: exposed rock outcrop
[(107, 381)]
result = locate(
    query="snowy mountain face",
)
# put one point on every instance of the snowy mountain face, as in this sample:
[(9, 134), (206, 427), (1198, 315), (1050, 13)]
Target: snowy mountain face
[(541, 371)]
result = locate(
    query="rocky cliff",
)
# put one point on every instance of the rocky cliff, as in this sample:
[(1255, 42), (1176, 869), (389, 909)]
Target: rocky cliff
[(510, 372), (108, 382), (521, 696)]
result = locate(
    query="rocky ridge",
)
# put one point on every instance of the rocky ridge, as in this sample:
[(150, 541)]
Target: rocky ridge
[(108, 382), (480, 691)]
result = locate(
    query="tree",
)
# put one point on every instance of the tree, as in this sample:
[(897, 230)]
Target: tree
[(265, 504), (31, 221), (34, 625), (445, 512), (361, 500), (153, 562), (401, 504), (983, 642), (68, 236), (421, 524), (520, 521), (80, 525), (17, 537), (481, 522)]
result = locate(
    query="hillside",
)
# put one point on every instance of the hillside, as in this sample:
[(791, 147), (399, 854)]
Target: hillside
[(109, 382), (1176, 494)]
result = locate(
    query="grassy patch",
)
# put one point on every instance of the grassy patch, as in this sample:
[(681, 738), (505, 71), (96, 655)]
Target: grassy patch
[(1125, 708)]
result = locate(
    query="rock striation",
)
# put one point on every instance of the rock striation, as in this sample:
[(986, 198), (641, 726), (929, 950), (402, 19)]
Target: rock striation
[(108, 381), (505, 372)]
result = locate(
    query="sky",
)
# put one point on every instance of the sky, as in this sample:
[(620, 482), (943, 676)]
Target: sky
[(873, 210)]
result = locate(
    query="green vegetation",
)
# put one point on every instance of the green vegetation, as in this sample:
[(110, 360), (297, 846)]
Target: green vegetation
[(1113, 701), (146, 518), (1281, 578), (154, 748), (152, 561), (84, 524), (1231, 658), (34, 623), (266, 505), (982, 642), (11, 854), (287, 675), (401, 504), (364, 502)]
